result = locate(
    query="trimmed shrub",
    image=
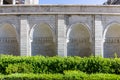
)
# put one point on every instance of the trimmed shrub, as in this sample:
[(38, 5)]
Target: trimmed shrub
[(101, 76), (68, 75), (33, 77), (75, 75), (95, 65), (47, 65), (19, 68), (115, 66)]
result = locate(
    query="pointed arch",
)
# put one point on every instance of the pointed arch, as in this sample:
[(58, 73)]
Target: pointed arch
[(111, 40), (8, 40), (42, 40), (79, 40)]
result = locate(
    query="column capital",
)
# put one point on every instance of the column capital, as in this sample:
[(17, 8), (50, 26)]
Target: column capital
[(61, 17), (98, 17)]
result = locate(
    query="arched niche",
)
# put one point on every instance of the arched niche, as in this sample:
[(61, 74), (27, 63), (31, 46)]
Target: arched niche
[(42, 40), (8, 40), (112, 40), (79, 41)]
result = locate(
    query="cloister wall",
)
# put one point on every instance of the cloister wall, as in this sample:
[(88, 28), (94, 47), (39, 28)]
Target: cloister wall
[(64, 30)]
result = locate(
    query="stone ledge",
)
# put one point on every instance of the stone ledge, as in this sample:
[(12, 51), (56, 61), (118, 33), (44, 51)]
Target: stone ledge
[(59, 13), (59, 8)]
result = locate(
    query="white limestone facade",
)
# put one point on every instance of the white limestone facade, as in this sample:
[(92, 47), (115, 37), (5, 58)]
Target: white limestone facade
[(64, 30)]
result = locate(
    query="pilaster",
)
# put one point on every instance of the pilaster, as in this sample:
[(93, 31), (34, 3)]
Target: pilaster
[(62, 45), (24, 37), (98, 36)]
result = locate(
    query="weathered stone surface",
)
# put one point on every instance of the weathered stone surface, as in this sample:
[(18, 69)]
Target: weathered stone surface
[(64, 30)]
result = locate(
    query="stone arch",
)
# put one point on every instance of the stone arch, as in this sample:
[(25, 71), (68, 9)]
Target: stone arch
[(8, 40), (79, 40), (42, 40), (111, 40)]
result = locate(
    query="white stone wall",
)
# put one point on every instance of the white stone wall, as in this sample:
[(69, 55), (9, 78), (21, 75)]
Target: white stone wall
[(111, 35), (61, 20), (9, 35)]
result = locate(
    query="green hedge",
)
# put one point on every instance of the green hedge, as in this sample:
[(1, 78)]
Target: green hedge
[(67, 75), (40, 64)]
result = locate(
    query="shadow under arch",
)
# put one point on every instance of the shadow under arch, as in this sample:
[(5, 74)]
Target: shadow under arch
[(79, 40), (9, 43), (42, 40), (111, 40)]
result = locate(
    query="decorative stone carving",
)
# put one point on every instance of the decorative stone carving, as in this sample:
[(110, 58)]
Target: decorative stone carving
[(111, 46), (76, 47), (43, 46), (9, 45), (79, 40), (43, 40), (112, 40)]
